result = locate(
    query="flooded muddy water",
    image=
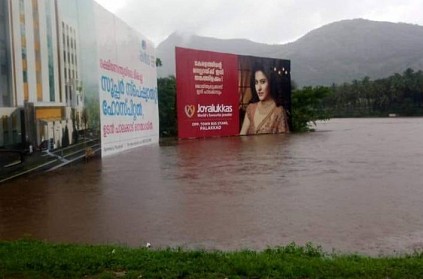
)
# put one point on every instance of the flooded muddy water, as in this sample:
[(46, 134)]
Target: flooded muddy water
[(354, 185)]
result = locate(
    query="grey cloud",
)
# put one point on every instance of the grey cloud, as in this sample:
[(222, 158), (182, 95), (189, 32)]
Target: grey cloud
[(266, 21)]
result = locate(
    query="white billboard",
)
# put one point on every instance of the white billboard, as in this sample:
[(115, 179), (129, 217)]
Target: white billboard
[(75, 74), (127, 85)]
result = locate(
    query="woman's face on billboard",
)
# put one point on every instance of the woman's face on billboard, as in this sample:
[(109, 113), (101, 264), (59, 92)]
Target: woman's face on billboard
[(262, 86)]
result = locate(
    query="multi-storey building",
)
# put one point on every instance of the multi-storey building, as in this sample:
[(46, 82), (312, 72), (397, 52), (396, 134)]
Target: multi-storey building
[(70, 68), (40, 92)]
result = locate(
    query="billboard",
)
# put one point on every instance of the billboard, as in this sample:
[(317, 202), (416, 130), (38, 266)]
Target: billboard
[(207, 100), (73, 74), (220, 94), (127, 82)]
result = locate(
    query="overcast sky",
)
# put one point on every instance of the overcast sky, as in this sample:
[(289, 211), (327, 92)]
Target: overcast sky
[(264, 21)]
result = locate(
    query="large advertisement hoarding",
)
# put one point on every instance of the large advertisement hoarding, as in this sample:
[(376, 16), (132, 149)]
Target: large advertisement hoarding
[(127, 85), (207, 86), (220, 94), (75, 78)]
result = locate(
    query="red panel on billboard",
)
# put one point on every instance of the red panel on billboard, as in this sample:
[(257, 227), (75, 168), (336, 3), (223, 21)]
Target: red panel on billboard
[(207, 93)]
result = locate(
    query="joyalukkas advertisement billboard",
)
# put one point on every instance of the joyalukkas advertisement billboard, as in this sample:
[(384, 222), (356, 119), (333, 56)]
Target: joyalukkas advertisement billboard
[(207, 86), (220, 94)]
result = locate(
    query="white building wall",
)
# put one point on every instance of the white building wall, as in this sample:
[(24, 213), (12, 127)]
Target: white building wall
[(70, 65)]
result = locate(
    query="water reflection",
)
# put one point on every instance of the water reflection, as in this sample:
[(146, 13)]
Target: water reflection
[(354, 185)]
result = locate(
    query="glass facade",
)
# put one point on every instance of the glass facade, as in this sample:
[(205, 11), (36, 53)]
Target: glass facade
[(24, 49), (5, 86), (37, 44), (49, 21)]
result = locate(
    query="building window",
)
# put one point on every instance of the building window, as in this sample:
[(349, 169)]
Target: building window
[(4, 69)]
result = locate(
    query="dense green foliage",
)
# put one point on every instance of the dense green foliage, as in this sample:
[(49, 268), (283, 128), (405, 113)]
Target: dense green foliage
[(167, 106), (306, 107), (34, 259), (397, 94)]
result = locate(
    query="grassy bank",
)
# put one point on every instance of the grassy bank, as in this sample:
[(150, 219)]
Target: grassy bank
[(35, 259)]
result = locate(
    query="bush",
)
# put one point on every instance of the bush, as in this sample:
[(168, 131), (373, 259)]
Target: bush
[(307, 107)]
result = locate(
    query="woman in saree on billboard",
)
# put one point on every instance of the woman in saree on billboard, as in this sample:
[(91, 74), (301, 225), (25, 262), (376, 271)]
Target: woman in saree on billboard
[(265, 113)]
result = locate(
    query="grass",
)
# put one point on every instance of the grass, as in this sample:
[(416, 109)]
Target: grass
[(36, 259)]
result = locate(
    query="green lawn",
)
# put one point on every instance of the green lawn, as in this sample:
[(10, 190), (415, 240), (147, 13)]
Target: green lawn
[(35, 259)]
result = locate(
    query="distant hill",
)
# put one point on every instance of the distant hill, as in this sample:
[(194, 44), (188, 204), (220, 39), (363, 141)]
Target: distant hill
[(335, 53)]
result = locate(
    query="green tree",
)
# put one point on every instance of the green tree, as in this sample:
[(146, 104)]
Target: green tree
[(307, 107), (65, 137), (75, 125), (400, 93), (158, 62), (90, 115), (167, 106), (84, 117)]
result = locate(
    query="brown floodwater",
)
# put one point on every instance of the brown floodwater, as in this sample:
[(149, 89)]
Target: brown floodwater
[(354, 185)]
